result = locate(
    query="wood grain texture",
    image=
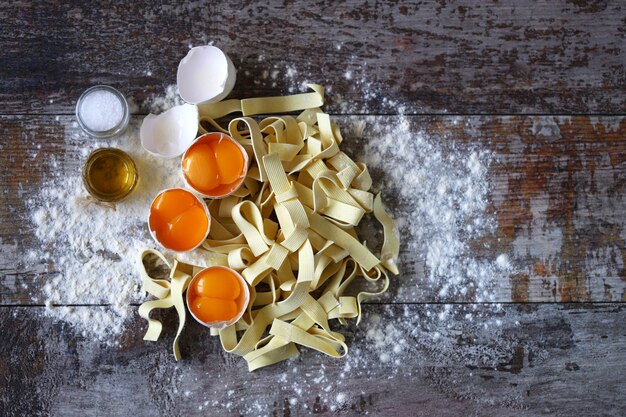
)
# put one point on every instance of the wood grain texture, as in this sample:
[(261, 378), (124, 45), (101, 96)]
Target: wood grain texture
[(520, 361), (501, 57), (556, 199)]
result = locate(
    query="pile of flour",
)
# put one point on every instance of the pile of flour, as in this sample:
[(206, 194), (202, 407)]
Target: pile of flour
[(92, 249)]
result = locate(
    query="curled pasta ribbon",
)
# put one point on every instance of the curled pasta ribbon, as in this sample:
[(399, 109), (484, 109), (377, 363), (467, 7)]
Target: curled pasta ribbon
[(168, 294), (391, 244), (290, 231)]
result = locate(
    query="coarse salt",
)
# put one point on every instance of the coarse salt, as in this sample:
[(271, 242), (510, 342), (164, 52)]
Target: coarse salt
[(101, 110)]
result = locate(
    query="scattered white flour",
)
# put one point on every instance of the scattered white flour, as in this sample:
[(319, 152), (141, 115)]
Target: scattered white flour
[(395, 334), (389, 338), (437, 191), (94, 249), (385, 338), (503, 262), (159, 104)]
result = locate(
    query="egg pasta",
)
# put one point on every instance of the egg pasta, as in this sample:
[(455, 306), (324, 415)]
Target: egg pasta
[(289, 231)]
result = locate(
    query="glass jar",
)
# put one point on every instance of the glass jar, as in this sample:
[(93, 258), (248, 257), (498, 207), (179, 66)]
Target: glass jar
[(109, 174), (102, 111)]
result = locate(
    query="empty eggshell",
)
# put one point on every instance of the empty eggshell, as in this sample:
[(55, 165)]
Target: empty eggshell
[(168, 134), (205, 75)]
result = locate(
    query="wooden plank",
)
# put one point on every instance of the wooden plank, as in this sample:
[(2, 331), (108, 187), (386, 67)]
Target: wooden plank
[(556, 360), (553, 57), (556, 200)]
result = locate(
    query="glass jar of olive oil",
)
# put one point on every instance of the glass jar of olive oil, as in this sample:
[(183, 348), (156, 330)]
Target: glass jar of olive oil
[(109, 174)]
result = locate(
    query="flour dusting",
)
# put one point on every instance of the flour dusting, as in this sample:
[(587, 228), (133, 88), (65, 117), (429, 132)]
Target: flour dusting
[(440, 194), (159, 104), (93, 249)]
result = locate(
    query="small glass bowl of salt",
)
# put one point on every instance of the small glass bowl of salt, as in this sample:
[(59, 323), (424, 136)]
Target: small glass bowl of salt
[(102, 111)]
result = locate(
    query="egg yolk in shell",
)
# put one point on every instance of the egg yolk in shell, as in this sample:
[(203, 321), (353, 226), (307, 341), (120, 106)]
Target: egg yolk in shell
[(215, 295), (215, 165), (178, 220)]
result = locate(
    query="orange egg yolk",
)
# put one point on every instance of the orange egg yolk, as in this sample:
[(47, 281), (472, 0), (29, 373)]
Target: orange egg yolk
[(214, 165), (215, 295), (178, 220)]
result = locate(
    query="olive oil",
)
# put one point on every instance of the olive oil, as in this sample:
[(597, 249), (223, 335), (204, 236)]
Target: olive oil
[(109, 174)]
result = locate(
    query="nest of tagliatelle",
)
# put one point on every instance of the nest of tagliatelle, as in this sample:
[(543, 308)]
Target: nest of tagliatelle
[(289, 231)]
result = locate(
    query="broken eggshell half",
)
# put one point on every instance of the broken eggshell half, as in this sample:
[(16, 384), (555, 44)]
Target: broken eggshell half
[(205, 75), (169, 134)]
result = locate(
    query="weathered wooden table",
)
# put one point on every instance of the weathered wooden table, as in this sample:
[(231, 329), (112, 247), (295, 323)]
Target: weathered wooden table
[(499, 67)]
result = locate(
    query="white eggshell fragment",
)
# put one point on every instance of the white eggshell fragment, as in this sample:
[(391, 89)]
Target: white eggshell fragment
[(169, 134), (205, 75)]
